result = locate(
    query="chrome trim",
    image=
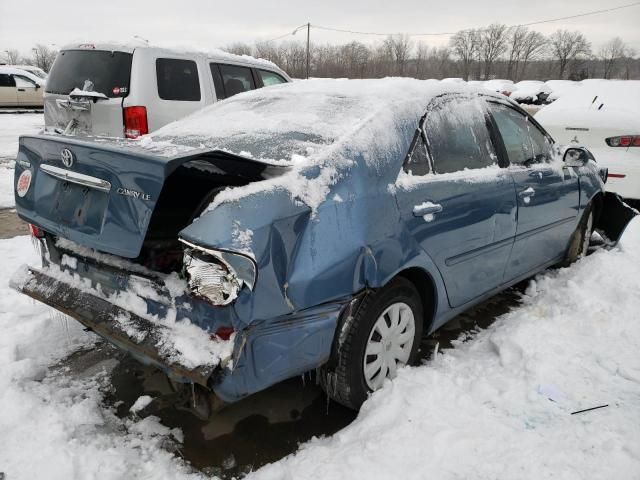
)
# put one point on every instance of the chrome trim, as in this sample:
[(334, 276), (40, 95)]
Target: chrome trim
[(243, 267), (75, 177)]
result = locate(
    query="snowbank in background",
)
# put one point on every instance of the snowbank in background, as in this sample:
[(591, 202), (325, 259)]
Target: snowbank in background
[(12, 125), (478, 412), (51, 426)]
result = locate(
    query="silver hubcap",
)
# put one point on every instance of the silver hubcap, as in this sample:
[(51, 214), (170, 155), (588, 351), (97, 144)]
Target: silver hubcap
[(389, 344), (587, 235)]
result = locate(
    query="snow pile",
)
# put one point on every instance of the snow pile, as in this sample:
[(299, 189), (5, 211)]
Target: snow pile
[(560, 87), (55, 427), (482, 410)]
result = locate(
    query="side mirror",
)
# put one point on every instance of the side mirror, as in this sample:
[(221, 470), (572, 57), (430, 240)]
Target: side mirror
[(576, 157), (37, 86)]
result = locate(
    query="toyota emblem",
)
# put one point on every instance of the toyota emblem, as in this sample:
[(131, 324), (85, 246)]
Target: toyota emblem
[(66, 156)]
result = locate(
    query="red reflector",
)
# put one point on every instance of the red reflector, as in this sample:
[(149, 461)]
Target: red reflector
[(135, 122), (35, 231), (617, 175), (625, 141), (636, 141), (223, 333)]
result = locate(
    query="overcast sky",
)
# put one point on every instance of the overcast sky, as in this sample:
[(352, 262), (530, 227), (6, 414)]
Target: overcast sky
[(216, 24)]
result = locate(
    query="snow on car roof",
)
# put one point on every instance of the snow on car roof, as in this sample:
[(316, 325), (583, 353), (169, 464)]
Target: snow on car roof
[(291, 122), (174, 49), (610, 103), (18, 71)]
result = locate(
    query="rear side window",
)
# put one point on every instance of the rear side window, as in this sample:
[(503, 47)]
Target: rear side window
[(458, 136), (270, 78), (236, 79), (178, 79), (524, 142), (95, 70), (418, 162), (6, 80)]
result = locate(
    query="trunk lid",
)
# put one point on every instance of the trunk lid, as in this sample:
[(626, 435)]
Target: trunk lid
[(98, 196)]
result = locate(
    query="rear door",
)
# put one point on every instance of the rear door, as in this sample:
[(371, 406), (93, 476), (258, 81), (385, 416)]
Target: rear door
[(104, 74), (229, 80), (548, 194), (459, 204), (8, 94)]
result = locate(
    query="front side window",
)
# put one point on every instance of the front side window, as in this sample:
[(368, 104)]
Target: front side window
[(178, 79), (270, 78), (22, 82), (524, 142), (458, 137), (6, 80), (236, 79)]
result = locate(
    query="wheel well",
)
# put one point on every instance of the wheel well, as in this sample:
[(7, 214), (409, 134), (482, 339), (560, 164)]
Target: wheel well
[(597, 202), (426, 289)]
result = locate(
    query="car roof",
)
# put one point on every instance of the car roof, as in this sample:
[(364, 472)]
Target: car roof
[(216, 55), (19, 71)]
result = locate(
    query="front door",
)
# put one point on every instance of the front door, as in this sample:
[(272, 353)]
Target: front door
[(547, 193), (28, 93), (456, 201)]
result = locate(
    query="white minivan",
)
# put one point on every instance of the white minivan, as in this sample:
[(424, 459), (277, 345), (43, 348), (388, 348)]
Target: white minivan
[(128, 91)]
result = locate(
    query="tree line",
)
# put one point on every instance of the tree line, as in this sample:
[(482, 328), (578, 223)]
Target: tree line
[(497, 51)]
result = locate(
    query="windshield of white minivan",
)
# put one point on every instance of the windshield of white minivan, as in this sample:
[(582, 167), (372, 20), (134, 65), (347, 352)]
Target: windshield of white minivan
[(96, 70)]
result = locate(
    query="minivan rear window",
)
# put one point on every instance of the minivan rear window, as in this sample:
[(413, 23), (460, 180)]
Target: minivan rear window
[(178, 79), (95, 70)]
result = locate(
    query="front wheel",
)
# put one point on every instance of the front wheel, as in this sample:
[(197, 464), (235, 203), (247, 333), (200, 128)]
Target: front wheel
[(582, 236), (383, 336)]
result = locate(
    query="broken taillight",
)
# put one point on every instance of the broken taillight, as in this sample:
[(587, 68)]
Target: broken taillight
[(35, 232), (135, 122), (223, 333)]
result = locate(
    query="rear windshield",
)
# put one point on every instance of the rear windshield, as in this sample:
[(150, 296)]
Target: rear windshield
[(94, 70)]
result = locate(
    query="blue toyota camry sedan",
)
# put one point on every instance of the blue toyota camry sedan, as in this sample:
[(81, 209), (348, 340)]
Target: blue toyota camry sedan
[(323, 225)]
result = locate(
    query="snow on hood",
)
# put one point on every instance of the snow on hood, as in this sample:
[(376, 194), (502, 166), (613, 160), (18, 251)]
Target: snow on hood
[(529, 89)]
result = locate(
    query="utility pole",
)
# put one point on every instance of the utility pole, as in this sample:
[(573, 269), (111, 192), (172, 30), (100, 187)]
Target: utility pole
[(308, 52)]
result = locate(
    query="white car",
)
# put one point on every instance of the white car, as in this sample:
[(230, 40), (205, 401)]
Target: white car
[(530, 92), (131, 90), (33, 70), (19, 88), (602, 116), (500, 85), (559, 88)]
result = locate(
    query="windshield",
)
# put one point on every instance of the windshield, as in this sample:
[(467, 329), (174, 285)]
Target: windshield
[(95, 70)]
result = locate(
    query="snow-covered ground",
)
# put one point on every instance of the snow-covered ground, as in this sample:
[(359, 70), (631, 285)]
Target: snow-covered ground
[(12, 125), (481, 410)]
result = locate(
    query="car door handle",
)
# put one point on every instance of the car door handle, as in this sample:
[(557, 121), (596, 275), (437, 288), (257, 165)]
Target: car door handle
[(426, 208), (21, 89), (528, 192)]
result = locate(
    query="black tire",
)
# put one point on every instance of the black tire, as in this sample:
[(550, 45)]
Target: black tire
[(580, 238), (345, 382)]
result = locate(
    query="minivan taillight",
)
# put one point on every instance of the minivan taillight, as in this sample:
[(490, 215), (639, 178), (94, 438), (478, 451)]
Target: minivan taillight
[(135, 122)]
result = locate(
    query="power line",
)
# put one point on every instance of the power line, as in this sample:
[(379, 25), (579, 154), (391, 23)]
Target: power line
[(385, 34)]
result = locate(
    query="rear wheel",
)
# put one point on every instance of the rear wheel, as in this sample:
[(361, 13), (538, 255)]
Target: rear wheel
[(383, 336)]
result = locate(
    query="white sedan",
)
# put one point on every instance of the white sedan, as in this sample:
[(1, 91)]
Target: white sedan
[(602, 116)]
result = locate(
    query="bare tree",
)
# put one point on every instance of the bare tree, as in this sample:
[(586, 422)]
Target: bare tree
[(534, 47), (566, 47), (398, 49), (12, 56), (239, 48), (43, 57), (493, 43), (516, 45), (610, 53), (465, 45)]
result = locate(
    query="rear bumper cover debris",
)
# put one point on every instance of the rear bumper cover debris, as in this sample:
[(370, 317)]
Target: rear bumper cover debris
[(98, 316)]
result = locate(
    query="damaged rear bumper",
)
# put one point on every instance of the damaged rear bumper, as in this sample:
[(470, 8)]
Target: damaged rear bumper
[(263, 353), (98, 314)]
